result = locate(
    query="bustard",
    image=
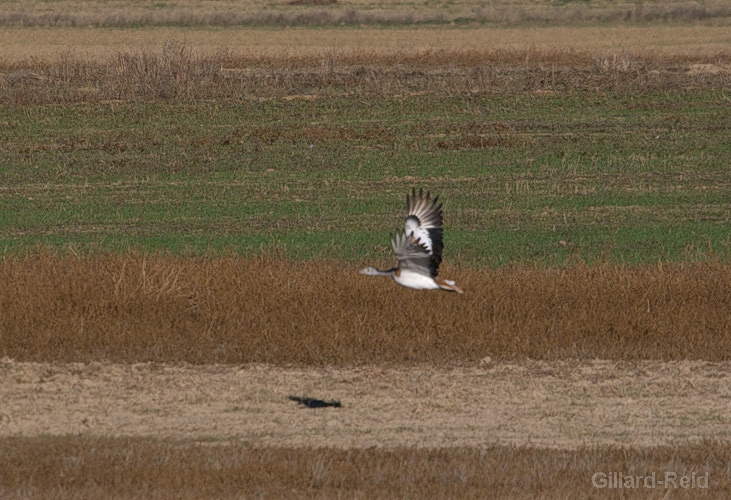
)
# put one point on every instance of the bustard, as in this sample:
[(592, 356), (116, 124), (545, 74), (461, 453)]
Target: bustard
[(419, 247)]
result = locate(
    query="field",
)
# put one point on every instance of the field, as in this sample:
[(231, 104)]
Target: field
[(188, 189), (489, 431)]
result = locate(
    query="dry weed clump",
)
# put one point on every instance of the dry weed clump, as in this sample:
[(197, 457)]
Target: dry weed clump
[(231, 309), (178, 72), (95, 467)]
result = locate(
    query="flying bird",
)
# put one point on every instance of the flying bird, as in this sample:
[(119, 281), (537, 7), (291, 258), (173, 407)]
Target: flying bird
[(315, 403), (419, 247)]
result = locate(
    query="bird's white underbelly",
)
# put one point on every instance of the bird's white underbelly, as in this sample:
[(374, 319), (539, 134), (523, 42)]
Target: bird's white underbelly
[(415, 280)]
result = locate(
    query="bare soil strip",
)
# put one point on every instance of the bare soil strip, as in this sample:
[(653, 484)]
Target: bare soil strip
[(566, 404)]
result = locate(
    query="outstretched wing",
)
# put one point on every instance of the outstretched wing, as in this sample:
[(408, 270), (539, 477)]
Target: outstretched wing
[(424, 222), (413, 255)]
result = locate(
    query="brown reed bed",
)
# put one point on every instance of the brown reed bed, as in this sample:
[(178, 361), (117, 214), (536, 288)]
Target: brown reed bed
[(97, 467), (178, 72), (232, 309)]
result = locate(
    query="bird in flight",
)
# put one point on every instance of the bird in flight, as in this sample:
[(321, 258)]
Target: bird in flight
[(419, 247)]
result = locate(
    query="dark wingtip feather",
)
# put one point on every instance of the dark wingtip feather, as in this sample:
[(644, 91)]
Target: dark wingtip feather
[(425, 205)]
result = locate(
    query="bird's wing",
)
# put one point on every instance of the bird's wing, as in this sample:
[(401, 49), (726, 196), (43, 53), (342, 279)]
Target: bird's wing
[(413, 255), (424, 222)]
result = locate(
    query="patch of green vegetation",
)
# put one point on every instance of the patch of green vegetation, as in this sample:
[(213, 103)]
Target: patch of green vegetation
[(549, 178)]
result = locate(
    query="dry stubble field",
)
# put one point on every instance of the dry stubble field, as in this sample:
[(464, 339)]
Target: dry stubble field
[(165, 376)]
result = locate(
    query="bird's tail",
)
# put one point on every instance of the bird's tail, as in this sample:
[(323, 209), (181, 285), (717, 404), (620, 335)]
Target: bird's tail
[(449, 285)]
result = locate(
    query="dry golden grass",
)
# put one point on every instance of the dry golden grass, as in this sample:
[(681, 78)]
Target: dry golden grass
[(78, 467), (17, 44), (231, 309)]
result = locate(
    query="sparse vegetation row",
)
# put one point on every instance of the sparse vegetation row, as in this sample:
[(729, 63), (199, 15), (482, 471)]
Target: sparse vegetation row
[(314, 13), (178, 72)]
